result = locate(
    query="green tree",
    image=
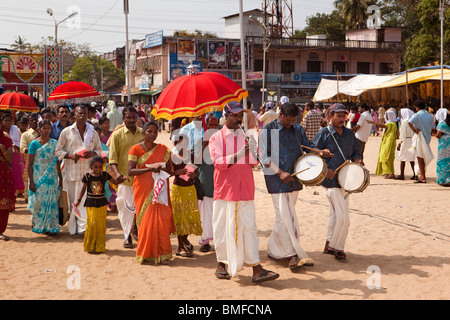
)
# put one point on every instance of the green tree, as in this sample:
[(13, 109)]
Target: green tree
[(88, 69), (424, 45), (20, 43), (354, 12), (331, 25)]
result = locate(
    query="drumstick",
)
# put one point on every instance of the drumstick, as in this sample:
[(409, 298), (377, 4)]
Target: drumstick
[(307, 147), (300, 171), (337, 169)]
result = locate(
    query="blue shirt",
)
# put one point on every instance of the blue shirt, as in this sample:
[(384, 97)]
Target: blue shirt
[(194, 136), (283, 147), (56, 129), (424, 122), (347, 143)]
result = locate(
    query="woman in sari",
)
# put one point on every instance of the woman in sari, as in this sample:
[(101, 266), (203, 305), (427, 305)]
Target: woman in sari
[(153, 219), (443, 154), (6, 187), (17, 165), (44, 188), (386, 155)]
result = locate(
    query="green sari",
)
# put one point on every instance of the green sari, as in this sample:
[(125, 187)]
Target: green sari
[(386, 156)]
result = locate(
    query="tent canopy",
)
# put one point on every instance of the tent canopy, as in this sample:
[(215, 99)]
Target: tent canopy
[(413, 77), (354, 87)]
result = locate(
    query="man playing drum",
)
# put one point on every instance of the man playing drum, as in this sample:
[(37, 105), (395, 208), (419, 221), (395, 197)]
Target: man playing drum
[(280, 144), (342, 142)]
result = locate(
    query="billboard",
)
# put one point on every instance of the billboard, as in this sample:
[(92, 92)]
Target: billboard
[(154, 39)]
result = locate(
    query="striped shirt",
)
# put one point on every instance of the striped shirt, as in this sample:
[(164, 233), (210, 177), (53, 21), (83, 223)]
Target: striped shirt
[(312, 124)]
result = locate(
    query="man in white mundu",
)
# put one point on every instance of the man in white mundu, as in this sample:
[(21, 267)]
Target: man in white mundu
[(342, 142), (76, 145), (280, 143), (121, 142), (234, 226)]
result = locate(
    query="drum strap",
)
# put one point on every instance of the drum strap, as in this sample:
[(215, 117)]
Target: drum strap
[(342, 154)]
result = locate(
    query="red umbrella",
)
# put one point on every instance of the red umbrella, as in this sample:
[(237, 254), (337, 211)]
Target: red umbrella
[(73, 90), (18, 102), (196, 94)]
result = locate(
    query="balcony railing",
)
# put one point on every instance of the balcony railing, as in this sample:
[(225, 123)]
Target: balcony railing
[(326, 43)]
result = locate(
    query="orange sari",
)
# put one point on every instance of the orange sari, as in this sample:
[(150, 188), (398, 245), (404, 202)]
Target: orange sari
[(154, 221)]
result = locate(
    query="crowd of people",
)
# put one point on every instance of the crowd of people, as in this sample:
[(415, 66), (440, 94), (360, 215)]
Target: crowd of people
[(75, 165)]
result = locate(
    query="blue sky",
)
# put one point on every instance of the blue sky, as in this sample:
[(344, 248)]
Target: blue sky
[(102, 22)]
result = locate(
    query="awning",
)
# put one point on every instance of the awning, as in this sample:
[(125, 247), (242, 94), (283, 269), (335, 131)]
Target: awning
[(413, 77), (353, 87), (147, 93)]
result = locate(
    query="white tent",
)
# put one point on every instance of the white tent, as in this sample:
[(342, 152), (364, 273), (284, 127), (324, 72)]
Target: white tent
[(354, 87)]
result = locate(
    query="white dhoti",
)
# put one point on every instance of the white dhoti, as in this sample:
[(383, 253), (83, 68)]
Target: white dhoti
[(339, 222), (421, 149), (73, 189), (284, 241), (126, 208), (235, 234), (405, 153), (205, 207)]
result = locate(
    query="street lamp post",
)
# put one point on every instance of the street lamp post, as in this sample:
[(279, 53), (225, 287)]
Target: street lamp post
[(265, 48), (441, 16), (50, 12)]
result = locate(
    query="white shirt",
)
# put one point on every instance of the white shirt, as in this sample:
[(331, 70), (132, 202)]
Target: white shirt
[(69, 141), (268, 116), (365, 128)]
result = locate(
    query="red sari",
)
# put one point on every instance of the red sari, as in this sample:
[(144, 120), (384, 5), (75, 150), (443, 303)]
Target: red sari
[(6, 187), (154, 221)]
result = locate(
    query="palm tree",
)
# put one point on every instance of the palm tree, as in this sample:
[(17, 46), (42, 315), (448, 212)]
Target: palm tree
[(21, 44), (353, 12)]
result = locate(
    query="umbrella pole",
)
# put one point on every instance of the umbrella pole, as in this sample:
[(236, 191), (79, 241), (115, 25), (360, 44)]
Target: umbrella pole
[(204, 122)]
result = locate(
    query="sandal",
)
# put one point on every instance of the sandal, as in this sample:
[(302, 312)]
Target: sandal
[(165, 263), (340, 255), (4, 238), (293, 263), (205, 248), (184, 254), (223, 275), (265, 276), (189, 247), (420, 181), (327, 250)]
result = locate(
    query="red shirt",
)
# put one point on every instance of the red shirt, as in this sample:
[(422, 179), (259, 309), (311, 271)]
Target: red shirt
[(231, 182)]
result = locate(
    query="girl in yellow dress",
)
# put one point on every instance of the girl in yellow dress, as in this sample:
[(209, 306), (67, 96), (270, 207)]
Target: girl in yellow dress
[(96, 206)]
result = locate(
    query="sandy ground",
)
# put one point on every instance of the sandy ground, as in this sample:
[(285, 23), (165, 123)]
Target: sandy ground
[(398, 228)]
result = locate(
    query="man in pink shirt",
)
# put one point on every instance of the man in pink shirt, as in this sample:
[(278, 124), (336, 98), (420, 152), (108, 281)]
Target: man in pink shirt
[(234, 225)]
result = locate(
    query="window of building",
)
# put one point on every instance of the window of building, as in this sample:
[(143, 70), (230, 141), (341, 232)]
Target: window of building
[(339, 66), (287, 66), (259, 65), (385, 68), (314, 66), (363, 67)]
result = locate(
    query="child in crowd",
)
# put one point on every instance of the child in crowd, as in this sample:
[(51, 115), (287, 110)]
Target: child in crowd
[(96, 206)]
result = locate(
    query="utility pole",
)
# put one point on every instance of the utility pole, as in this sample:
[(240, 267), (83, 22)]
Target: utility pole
[(441, 16), (126, 10)]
